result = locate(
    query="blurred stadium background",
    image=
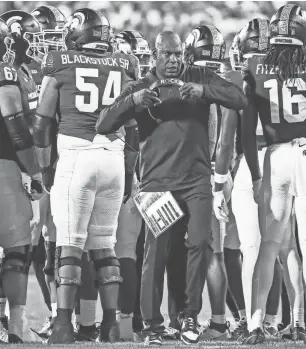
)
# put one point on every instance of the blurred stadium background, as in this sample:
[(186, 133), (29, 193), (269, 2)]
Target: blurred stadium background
[(151, 17)]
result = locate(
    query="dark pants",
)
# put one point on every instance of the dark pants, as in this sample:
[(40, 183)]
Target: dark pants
[(196, 204)]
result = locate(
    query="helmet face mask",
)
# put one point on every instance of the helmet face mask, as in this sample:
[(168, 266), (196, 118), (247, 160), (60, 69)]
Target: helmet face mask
[(53, 34), (24, 29), (10, 54)]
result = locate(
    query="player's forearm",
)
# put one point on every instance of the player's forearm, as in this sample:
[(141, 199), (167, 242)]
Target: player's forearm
[(131, 148), (249, 146), (223, 161), (116, 115), (43, 137), (22, 141), (225, 93)]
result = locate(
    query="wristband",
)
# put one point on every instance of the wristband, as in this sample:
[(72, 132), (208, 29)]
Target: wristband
[(219, 178), (37, 177), (218, 193)]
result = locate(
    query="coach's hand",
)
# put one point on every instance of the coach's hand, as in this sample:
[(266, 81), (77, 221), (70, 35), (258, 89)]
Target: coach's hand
[(256, 190), (220, 207), (145, 98), (191, 90)]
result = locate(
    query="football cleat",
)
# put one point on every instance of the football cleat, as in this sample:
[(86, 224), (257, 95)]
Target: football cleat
[(240, 331), (62, 333), (87, 333), (189, 331), (296, 334), (171, 333), (271, 332), (109, 332), (256, 336), (19, 332), (211, 333), (154, 338)]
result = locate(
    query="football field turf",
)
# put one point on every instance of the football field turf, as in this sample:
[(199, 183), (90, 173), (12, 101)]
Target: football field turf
[(37, 312)]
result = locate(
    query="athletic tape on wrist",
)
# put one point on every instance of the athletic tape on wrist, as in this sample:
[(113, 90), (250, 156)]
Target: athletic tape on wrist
[(220, 178)]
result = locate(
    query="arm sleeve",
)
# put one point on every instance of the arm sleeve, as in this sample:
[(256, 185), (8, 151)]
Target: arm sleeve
[(222, 91)]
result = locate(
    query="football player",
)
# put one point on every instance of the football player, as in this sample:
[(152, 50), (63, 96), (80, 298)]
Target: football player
[(205, 46), (274, 86), (130, 221), (17, 152), (134, 42), (251, 41), (44, 235), (86, 195)]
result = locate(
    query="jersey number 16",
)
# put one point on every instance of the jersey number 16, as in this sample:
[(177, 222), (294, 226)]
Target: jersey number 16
[(288, 100), (113, 82)]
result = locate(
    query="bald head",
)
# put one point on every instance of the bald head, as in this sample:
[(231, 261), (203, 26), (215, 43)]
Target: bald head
[(169, 54), (167, 37)]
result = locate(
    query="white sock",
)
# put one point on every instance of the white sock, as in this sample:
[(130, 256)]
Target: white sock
[(298, 318), (218, 319), (2, 307), (54, 309), (242, 313), (271, 319), (87, 312), (18, 322), (257, 320), (18, 313)]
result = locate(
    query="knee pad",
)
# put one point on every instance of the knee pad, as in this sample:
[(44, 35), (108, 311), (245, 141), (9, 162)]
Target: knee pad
[(50, 258), (109, 275), (9, 261), (65, 261)]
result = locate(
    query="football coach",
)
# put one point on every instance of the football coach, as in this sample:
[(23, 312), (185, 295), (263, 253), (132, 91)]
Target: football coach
[(174, 157)]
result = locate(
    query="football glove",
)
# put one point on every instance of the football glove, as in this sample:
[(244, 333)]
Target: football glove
[(34, 186), (220, 206)]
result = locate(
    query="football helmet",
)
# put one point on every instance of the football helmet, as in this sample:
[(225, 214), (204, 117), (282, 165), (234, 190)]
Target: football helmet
[(6, 42), (133, 42), (252, 39), (24, 29), (205, 45), (288, 26), (52, 23), (88, 30)]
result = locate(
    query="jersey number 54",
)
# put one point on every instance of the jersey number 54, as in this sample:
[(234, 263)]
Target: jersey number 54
[(113, 82)]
